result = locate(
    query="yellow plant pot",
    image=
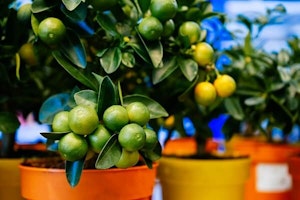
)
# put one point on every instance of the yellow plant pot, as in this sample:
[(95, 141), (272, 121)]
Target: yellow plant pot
[(203, 179), (10, 179)]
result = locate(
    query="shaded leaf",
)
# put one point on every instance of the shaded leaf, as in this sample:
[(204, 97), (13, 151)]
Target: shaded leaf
[(9, 122), (156, 110), (110, 153), (111, 60), (76, 14), (43, 5), (107, 24), (160, 74), (141, 51), (74, 171), (71, 69), (53, 135), (86, 97), (73, 49), (188, 67), (155, 51), (234, 108), (71, 5), (53, 105)]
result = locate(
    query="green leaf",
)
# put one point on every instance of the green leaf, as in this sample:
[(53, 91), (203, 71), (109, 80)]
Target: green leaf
[(111, 60), (34, 24), (108, 24), (43, 5), (128, 59), (188, 67), (156, 110), (155, 51), (53, 135), (248, 46), (71, 4), (73, 49), (144, 5), (152, 155), (234, 108), (86, 97), (107, 93), (252, 101), (77, 14), (9, 122), (110, 153), (53, 105), (71, 69), (160, 74), (140, 50), (74, 171)]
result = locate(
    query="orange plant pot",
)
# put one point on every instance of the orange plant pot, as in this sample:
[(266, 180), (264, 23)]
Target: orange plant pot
[(269, 173), (113, 184), (294, 166)]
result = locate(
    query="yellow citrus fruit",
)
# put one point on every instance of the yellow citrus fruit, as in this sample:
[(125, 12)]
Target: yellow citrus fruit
[(128, 159), (73, 147), (205, 93), (98, 138), (225, 85), (191, 30), (169, 122), (138, 113), (132, 137), (203, 54), (163, 9), (51, 31), (60, 122), (83, 120), (102, 5), (115, 117), (151, 139), (28, 54), (150, 28), (168, 28)]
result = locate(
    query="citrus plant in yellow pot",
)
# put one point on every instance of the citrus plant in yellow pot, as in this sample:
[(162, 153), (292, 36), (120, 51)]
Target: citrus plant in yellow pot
[(266, 103)]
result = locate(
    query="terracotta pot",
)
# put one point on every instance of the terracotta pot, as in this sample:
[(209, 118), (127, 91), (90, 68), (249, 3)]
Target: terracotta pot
[(10, 179), (195, 179), (294, 166), (269, 173), (125, 184)]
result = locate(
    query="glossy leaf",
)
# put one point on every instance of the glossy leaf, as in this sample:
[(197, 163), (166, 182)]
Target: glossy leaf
[(128, 59), (53, 135), (9, 122), (71, 69), (234, 108), (155, 51), (110, 154), (144, 5), (74, 171), (52, 105), (107, 24), (86, 97), (111, 60), (156, 110), (78, 13), (252, 101), (71, 5), (107, 94), (168, 68), (73, 49), (188, 67), (43, 5), (153, 155), (140, 50)]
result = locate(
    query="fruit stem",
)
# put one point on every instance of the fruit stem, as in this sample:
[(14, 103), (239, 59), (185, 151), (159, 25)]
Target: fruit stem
[(217, 72)]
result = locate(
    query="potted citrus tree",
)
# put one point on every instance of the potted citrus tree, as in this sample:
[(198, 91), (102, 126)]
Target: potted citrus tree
[(265, 104), (122, 53)]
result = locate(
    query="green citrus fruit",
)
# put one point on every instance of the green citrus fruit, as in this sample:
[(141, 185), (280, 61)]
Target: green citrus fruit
[(83, 120), (205, 93), (203, 54), (150, 28), (151, 139), (128, 159), (163, 9), (225, 85), (138, 113), (73, 147), (115, 117), (190, 30), (28, 54), (132, 137), (98, 138), (51, 31), (60, 122)]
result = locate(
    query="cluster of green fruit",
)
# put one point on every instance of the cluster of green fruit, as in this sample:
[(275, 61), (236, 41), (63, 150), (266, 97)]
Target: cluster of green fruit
[(86, 135)]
